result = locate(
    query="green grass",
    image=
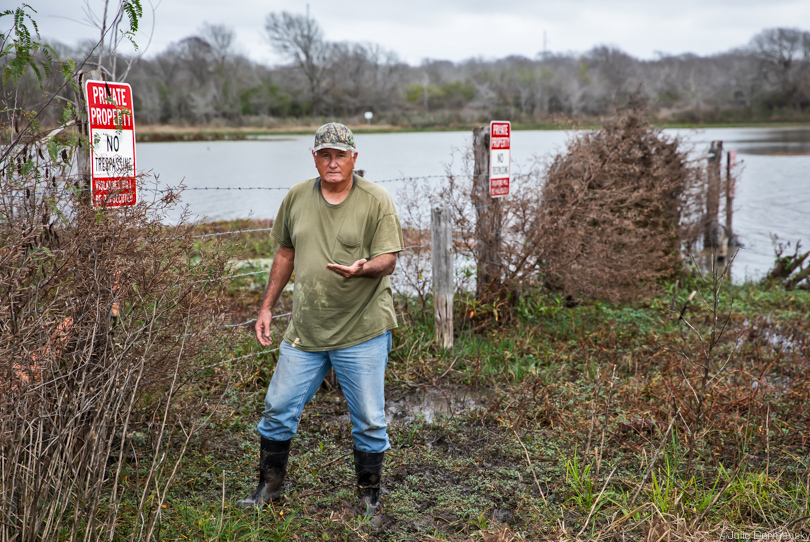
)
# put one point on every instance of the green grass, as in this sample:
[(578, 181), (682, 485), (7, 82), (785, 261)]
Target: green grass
[(574, 406)]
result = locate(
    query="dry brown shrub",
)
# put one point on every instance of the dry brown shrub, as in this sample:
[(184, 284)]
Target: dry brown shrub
[(616, 208), (103, 315), (790, 270)]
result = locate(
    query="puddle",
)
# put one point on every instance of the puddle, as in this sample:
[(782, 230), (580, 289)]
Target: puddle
[(774, 384), (779, 339), (431, 404), (784, 340)]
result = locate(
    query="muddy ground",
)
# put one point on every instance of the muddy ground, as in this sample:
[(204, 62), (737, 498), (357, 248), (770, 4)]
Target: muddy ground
[(590, 443), (589, 422)]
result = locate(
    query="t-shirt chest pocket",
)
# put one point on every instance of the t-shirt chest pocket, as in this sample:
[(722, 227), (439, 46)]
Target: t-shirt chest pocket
[(347, 250)]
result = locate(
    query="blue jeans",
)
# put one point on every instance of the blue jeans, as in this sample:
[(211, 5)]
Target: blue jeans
[(360, 370)]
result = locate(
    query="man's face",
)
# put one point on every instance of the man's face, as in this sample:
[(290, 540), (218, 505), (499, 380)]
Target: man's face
[(334, 165)]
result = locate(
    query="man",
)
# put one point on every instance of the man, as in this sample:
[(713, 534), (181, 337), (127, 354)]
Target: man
[(341, 234)]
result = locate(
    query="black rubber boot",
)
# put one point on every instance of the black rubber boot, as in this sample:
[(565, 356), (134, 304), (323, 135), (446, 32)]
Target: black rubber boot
[(272, 468), (368, 467)]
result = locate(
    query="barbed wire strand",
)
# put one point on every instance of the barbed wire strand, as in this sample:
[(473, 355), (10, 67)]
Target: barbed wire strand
[(226, 277), (232, 325), (204, 367), (254, 353), (219, 234), (237, 358), (203, 236), (254, 319), (74, 189)]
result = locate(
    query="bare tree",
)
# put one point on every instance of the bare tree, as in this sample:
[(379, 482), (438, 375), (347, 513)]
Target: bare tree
[(197, 57), (300, 39), (368, 78), (614, 76), (220, 39), (784, 56), (109, 23)]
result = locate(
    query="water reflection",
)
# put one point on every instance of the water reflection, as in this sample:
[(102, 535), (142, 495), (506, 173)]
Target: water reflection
[(716, 263), (775, 141)]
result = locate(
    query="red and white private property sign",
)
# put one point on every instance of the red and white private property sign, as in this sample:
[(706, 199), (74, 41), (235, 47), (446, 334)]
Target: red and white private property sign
[(112, 133), (500, 165)]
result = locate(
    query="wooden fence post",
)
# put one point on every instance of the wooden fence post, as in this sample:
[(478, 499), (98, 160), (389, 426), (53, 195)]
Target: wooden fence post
[(83, 125), (729, 196), (711, 225), (441, 254), (487, 215)]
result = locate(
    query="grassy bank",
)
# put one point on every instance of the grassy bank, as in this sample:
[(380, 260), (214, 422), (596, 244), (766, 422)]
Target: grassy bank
[(597, 421), (168, 133)]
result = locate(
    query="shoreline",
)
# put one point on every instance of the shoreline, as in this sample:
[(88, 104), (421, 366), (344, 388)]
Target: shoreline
[(169, 133)]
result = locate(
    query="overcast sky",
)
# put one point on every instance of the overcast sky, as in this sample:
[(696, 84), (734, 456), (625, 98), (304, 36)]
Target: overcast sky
[(456, 29)]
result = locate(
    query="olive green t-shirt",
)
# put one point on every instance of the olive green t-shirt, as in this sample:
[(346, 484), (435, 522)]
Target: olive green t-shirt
[(330, 311)]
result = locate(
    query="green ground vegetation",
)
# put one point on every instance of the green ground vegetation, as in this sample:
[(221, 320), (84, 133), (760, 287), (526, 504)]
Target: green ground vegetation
[(594, 421)]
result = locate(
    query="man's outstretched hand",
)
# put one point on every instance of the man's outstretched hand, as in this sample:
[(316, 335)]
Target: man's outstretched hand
[(376, 267), (354, 270), (263, 327)]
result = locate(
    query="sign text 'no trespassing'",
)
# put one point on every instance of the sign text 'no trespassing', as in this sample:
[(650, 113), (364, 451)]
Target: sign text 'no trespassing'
[(112, 133)]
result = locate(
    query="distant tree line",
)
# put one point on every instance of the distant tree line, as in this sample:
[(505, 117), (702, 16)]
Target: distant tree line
[(202, 79)]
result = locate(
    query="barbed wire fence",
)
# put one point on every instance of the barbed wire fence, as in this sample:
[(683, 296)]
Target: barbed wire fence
[(53, 188), (60, 186)]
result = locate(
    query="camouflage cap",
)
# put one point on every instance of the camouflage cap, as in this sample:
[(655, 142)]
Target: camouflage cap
[(334, 136)]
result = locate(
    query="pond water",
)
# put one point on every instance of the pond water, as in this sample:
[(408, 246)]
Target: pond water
[(772, 195)]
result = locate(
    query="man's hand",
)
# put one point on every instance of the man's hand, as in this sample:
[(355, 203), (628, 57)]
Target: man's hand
[(263, 327), (280, 273), (376, 267), (354, 270)]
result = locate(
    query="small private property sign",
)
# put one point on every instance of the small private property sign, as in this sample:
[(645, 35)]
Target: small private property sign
[(112, 133), (500, 165)]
